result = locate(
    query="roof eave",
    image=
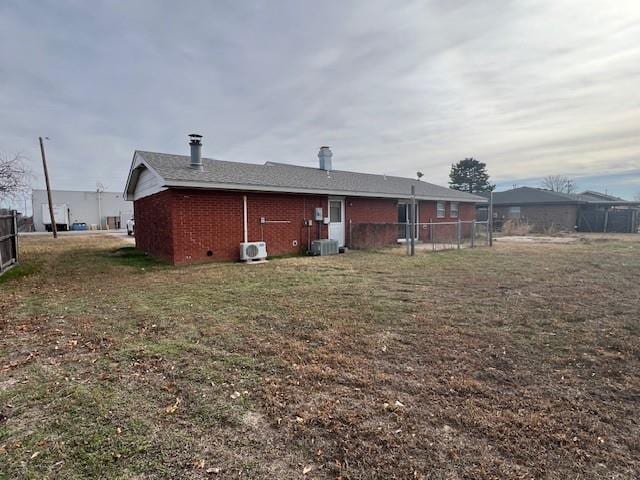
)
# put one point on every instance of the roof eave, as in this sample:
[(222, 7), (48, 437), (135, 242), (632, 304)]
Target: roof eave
[(138, 163), (308, 191), (522, 204)]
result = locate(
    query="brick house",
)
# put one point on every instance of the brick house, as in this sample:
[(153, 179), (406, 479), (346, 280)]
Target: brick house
[(545, 210), (191, 209)]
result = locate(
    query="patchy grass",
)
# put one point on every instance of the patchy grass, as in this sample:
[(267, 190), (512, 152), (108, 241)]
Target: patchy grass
[(517, 362), (18, 271), (131, 257)]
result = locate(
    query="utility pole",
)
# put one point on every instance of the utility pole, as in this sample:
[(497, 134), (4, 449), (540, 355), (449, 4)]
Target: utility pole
[(54, 229), (99, 190)]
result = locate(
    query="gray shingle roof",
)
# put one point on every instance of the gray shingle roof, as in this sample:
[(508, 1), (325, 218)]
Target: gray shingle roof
[(176, 172), (530, 195), (590, 195)]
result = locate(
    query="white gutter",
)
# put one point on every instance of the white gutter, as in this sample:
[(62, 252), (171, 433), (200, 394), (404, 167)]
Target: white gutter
[(244, 219)]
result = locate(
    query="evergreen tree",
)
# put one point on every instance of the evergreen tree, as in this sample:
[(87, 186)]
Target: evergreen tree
[(470, 175)]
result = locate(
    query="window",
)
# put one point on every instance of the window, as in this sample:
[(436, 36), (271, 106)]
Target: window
[(335, 211), (514, 212), (440, 213), (453, 209)]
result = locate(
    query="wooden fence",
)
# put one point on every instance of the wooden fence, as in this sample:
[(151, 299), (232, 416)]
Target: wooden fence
[(8, 239), (625, 220)]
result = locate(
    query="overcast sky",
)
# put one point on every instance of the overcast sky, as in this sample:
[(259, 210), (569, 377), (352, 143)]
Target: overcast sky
[(530, 87)]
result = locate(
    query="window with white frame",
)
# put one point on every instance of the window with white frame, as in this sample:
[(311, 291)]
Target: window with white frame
[(440, 211), (453, 209)]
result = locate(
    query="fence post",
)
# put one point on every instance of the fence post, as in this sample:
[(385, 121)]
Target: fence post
[(412, 220), (473, 233), (490, 221), (458, 232), (406, 236), (15, 236), (433, 237)]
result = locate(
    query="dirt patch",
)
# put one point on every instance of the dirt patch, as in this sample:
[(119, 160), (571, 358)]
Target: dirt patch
[(527, 239)]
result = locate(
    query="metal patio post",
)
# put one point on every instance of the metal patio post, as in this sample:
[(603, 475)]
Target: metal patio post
[(412, 220), (473, 233)]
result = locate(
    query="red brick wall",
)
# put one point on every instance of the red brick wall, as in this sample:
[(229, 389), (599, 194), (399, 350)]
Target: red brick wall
[(428, 213), (185, 226), (370, 222), (371, 210), (153, 225), (207, 225), (284, 238)]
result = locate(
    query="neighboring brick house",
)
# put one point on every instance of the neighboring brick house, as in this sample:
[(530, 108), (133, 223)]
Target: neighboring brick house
[(545, 210), (190, 209)]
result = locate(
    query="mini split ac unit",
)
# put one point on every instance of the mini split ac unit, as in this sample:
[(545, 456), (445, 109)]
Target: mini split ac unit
[(253, 251)]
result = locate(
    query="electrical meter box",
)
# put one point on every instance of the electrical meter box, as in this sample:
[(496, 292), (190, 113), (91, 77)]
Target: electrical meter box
[(318, 216)]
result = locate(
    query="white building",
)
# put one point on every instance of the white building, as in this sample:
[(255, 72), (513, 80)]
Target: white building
[(99, 210)]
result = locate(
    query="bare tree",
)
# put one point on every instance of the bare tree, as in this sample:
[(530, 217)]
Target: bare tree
[(559, 183), (14, 176)]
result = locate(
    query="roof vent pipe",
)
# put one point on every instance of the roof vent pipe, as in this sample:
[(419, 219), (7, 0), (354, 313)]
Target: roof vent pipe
[(196, 151), (324, 155)]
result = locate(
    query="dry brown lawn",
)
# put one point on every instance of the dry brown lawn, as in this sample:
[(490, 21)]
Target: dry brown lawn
[(521, 361)]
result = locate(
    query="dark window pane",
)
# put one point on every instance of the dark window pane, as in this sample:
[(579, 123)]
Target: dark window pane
[(335, 212)]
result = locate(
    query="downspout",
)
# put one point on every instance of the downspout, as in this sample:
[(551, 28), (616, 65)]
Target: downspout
[(328, 215), (244, 219)]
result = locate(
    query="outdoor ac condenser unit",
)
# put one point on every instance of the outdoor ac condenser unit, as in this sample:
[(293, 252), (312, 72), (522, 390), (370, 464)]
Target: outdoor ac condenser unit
[(250, 251), (324, 247)]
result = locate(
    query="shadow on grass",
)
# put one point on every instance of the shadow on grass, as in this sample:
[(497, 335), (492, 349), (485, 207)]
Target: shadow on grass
[(132, 257), (19, 271)]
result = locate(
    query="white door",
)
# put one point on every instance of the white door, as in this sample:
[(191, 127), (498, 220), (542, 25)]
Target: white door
[(336, 220)]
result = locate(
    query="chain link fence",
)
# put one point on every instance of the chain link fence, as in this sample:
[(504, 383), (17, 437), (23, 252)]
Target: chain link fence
[(433, 236)]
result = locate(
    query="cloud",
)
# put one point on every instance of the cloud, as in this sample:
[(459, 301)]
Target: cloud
[(530, 88)]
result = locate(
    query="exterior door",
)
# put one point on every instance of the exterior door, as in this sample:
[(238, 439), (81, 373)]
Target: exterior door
[(404, 209), (336, 220)]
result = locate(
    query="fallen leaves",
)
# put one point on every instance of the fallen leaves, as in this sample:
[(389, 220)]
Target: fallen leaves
[(200, 465), (174, 407), (449, 376)]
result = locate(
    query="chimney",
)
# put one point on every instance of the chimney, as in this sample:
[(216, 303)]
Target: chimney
[(324, 155), (196, 151)]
